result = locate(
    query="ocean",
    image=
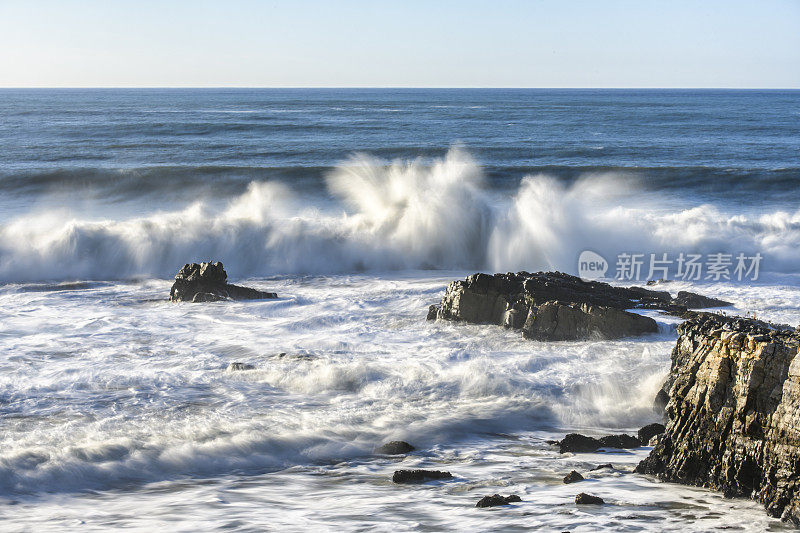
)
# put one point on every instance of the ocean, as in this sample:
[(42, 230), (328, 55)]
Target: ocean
[(358, 207)]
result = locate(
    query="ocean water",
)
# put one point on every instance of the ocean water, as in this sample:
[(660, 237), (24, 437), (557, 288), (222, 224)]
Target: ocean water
[(357, 207)]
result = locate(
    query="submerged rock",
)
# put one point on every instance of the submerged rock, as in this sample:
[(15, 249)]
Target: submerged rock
[(577, 443), (588, 499), (605, 466), (208, 282), (649, 431), (233, 367), (573, 477), (496, 499), (419, 476), (395, 447), (555, 306), (733, 415)]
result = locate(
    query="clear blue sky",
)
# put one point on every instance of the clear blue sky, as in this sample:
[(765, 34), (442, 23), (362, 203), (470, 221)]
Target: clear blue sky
[(497, 43)]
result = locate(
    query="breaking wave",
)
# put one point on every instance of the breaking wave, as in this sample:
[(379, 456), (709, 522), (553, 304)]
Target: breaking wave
[(397, 216)]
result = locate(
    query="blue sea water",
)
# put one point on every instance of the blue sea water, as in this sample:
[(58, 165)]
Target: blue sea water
[(357, 207)]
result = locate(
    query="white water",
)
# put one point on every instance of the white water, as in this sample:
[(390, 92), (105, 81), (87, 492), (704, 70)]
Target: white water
[(391, 217), (112, 390)]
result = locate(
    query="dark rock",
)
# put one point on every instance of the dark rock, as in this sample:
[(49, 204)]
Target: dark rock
[(208, 282), (395, 447), (692, 300), (573, 477), (553, 305), (553, 321), (240, 366), (650, 431), (620, 441), (588, 499), (577, 443), (733, 415), (496, 499), (603, 466), (419, 476)]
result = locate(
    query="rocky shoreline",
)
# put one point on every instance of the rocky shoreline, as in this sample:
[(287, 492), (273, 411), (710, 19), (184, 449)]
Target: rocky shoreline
[(733, 412), (553, 306)]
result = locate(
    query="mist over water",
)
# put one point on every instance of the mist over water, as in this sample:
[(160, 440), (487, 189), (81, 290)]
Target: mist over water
[(379, 216)]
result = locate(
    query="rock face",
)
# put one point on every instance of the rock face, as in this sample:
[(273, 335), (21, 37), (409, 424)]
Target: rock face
[(419, 476), (553, 306), (733, 412), (208, 282), (496, 499), (650, 431)]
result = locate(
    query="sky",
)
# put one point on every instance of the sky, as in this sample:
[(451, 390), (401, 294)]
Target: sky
[(408, 43)]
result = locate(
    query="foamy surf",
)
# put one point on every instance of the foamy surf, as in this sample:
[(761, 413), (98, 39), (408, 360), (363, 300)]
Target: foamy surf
[(396, 216)]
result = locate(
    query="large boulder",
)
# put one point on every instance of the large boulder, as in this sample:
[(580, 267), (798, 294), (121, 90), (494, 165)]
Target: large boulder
[(208, 282), (554, 321), (553, 305), (733, 412)]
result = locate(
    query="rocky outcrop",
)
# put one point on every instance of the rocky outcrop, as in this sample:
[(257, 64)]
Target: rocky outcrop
[(573, 477), (588, 499), (697, 301), (419, 476), (577, 443), (208, 282), (733, 412), (496, 500), (555, 306)]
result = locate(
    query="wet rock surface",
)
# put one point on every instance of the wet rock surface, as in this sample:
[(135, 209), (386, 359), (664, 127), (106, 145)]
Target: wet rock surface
[(208, 282), (395, 447), (733, 412), (577, 443), (235, 367), (496, 500), (573, 477), (419, 476), (556, 306), (649, 431), (588, 499)]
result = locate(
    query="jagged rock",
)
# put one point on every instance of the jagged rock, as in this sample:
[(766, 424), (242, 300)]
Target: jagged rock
[(573, 477), (496, 499), (588, 499), (553, 321), (552, 305), (577, 443), (233, 367), (419, 476), (649, 431), (208, 282), (395, 447), (733, 416), (692, 300)]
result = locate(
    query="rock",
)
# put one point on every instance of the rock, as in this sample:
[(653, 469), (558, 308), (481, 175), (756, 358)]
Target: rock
[(692, 300), (733, 415), (419, 476), (573, 477), (620, 441), (496, 499), (395, 447), (538, 303), (577, 443), (649, 431), (608, 466), (240, 366), (208, 282), (588, 499), (553, 321)]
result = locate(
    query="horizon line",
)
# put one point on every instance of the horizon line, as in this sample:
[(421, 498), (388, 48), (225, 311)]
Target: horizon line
[(726, 88)]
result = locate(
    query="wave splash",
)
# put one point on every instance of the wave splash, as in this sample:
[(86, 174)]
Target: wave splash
[(397, 216)]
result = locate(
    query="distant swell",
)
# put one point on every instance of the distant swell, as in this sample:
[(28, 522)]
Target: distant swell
[(406, 215)]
